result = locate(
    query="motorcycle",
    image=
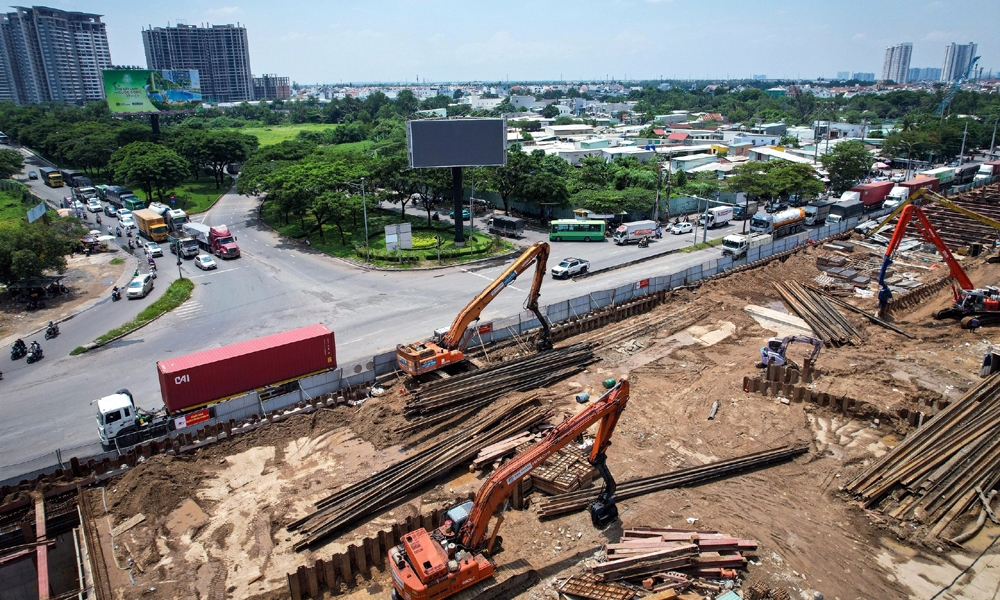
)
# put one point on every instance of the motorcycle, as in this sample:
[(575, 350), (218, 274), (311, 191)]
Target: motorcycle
[(51, 332), (18, 352), (644, 243), (35, 355), (116, 295), (35, 304)]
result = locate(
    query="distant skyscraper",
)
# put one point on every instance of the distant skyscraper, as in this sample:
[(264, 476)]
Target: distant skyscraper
[(843, 75), (52, 55), (760, 77), (220, 53), (925, 74), (956, 60), (271, 87), (863, 76), (896, 66)]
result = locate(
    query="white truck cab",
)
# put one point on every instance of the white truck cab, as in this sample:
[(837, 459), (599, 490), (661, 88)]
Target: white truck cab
[(114, 414)]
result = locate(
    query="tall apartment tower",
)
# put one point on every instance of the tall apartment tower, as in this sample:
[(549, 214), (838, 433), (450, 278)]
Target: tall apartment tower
[(52, 55), (896, 66), (956, 60), (220, 53)]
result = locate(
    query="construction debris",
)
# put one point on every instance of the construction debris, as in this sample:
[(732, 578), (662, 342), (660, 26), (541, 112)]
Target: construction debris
[(587, 585), (821, 315), (337, 512), (938, 472), (574, 501), (565, 471)]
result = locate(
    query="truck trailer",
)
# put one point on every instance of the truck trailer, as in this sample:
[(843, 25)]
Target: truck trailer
[(781, 223), (191, 385), (845, 209), (931, 183), (150, 224), (873, 194), (942, 174), (987, 171), (817, 211), (216, 240)]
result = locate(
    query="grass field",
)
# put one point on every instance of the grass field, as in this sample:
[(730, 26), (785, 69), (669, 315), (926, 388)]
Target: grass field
[(11, 208), (192, 196), (279, 133)]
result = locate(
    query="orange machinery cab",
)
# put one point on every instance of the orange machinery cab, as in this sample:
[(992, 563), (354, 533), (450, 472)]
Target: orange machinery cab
[(420, 358), (426, 571)]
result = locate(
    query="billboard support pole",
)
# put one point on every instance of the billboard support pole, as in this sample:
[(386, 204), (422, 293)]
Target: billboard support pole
[(154, 122), (457, 192)]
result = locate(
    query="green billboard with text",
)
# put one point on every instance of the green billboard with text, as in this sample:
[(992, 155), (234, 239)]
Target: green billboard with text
[(128, 91)]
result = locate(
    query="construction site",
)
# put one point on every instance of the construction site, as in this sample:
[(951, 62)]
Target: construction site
[(783, 430)]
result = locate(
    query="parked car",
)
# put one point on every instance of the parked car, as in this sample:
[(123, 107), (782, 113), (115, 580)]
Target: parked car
[(140, 286), (465, 214), (205, 262), (94, 205), (679, 228), (154, 249), (32, 175), (110, 211), (569, 267)]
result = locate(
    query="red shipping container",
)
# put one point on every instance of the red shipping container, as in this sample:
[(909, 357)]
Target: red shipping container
[(209, 376), (913, 185), (873, 193)]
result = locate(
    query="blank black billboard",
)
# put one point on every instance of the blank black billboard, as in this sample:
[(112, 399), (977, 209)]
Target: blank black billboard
[(457, 142)]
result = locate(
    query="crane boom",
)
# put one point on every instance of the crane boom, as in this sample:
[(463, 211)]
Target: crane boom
[(449, 347), (454, 557)]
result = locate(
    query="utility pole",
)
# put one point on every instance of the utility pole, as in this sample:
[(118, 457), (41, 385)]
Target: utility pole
[(993, 142), (961, 154), (364, 207)]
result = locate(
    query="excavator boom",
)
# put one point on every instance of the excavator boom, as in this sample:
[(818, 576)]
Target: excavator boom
[(453, 558), (422, 357)]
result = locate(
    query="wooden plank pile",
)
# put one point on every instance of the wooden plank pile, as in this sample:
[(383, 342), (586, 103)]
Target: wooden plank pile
[(661, 559), (383, 490), (822, 317), (565, 471), (579, 500), (592, 587), (942, 468)]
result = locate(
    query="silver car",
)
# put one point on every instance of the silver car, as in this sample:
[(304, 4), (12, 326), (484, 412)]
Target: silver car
[(140, 286)]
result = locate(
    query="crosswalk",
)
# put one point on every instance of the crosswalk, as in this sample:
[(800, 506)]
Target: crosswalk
[(189, 310)]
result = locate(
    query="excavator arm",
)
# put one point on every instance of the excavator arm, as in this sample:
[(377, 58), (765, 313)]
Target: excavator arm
[(498, 488), (538, 254), (817, 344)]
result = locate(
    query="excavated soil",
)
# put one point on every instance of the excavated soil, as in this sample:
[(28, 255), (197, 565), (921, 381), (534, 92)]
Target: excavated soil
[(215, 521)]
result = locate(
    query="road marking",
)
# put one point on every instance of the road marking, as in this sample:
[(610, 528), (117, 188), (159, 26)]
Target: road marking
[(189, 310), (490, 279), (217, 271)]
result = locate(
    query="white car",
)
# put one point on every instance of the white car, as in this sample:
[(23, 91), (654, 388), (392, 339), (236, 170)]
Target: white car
[(205, 262), (140, 286), (679, 228), (126, 221), (569, 267), (154, 249), (94, 205), (898, 177), (124, 212)]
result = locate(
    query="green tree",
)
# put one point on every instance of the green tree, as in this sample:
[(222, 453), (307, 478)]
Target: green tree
[(11, 162), (332, 206), (29, 250), (150, 166), (789, 140), (551, 111), (847, 163), (406, 103), (506, 180), (752, 179), (224, 147)]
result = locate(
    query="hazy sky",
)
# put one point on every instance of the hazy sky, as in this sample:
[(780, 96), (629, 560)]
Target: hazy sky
[(438, 40)]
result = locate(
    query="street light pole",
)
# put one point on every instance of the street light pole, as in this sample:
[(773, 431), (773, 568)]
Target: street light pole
[(364, 208), (993, 142)]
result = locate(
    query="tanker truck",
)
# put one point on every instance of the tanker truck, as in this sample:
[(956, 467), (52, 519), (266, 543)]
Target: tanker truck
[(779, 224)]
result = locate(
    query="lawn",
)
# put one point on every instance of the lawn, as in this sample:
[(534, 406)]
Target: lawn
[(192, 196), (12, 210), (424, 252), (279, 133)]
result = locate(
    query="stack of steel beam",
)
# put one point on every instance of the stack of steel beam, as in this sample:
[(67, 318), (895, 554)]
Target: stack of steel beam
[(822, 317)]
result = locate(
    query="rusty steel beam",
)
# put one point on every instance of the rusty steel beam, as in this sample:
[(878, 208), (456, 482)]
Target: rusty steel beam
[(42, 550)]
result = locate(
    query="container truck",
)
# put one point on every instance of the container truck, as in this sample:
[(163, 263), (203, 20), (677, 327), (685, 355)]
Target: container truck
[(718, 216), (185, 244), (738, 245), (176, 218), (873, 194), (216, 240), (151, 225), (896, 196), (987, 171), (843, 210), (817, 211), (634, 231), (790, 220), (115, 194), (191, 386), (942, 174), (965, 174), (919, 182)]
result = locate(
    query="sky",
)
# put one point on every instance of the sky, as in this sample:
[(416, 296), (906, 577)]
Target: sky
[(333, 41)]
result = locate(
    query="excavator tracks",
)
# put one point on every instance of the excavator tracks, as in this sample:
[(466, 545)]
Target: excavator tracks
[(507, 581)]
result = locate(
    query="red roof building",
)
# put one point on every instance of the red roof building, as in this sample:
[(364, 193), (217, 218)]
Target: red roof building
[(677, 136)]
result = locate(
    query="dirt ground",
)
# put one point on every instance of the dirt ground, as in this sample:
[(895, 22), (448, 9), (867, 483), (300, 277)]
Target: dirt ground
[(87, 278), (214, 522)]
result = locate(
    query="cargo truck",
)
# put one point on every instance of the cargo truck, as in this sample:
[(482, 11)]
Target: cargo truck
[(942, 174), (176, 218), (133, 203), (873, 194), (782, 223), (896, 196), (843, 210), (185, 244), (151, 225), (987, 171), (718, 216), (634, 231), (817, 211), (918, 182), (115, 194), (216, 240), (849, 195), (738, 245), (742, 212), (506, 226), (191, 386), (965, 174)]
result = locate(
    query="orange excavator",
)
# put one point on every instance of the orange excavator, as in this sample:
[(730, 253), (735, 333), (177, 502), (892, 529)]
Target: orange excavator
[(448, 347), (454, 558)]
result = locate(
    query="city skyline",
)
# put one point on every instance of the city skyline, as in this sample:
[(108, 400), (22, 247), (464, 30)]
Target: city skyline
[(436, 40)]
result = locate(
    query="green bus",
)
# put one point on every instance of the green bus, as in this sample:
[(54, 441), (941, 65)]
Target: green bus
[(572, 230)]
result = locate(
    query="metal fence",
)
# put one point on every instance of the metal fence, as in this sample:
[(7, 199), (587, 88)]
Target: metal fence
[(365, 370)]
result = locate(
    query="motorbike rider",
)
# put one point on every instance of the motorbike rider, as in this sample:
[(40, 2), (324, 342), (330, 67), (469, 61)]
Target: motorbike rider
[(36, 347), (644, 242), (115, 292), (52, 328), (19, 345)]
